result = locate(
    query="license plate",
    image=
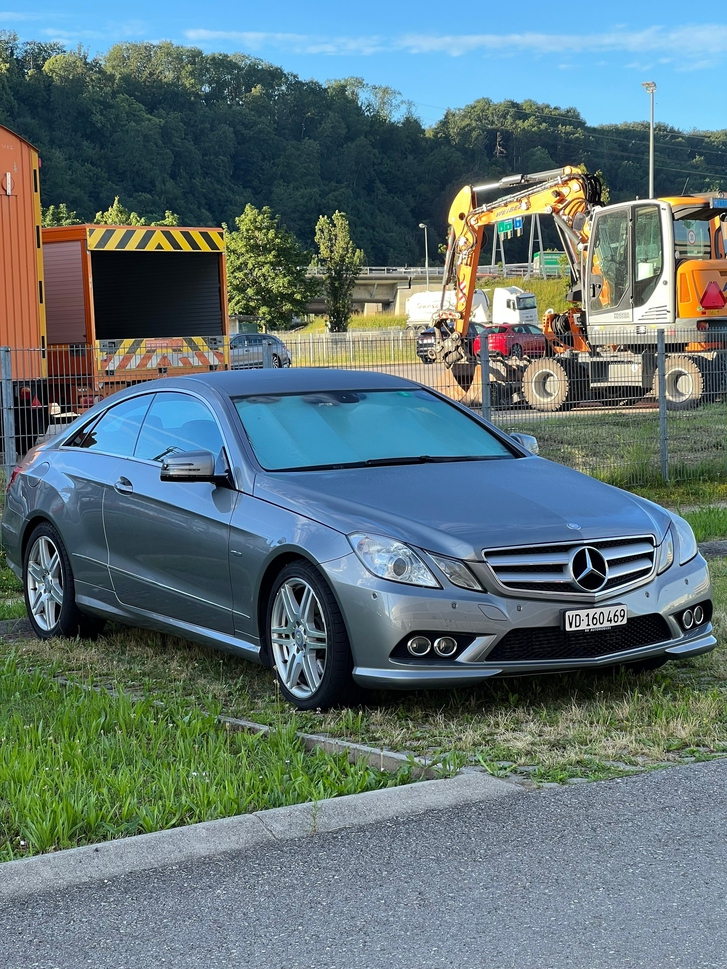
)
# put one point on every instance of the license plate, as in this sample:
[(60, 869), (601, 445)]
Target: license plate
[(584, 620)]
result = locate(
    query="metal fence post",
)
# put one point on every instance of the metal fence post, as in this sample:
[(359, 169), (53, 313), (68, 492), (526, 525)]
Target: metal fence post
[(10, 456), (663, 427), (485, 372), (267, 354)]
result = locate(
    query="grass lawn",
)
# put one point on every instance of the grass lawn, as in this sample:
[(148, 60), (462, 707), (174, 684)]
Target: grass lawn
[(80, 765)]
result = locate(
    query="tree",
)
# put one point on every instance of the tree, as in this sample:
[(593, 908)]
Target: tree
[(58, 215), (117, 214), (266, 269), (340, 261)]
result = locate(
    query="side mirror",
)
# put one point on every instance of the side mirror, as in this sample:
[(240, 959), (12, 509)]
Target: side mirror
[(188, 466), (526, 441)]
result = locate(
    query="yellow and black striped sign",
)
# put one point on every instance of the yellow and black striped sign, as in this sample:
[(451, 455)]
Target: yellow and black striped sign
[(176, 354), (155, 238)]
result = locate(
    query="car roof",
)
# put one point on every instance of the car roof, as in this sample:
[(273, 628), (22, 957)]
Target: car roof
[(235, 383)]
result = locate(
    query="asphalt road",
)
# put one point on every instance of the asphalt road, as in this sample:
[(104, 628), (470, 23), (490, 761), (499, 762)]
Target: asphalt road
[(626, 873)]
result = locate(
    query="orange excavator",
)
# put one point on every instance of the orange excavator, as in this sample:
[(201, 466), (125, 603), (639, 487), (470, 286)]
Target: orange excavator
[(636, 268)]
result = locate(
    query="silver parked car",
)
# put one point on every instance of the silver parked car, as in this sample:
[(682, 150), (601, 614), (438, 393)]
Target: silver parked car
[(248, 349), (348, 529)]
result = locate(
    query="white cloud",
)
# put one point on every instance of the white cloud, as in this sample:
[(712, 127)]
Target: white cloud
[(687, 43), (298, 43), (15, 15)]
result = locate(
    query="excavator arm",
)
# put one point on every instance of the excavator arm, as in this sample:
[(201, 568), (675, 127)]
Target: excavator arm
[(567, 194)]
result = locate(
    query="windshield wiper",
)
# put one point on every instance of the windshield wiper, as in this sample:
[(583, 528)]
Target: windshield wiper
[(427, 459), (394, 462)]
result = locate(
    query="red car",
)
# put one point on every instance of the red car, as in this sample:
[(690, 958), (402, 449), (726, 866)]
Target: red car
[(514, 340)]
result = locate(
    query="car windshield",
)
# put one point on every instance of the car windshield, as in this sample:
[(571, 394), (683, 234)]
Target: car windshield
[(357, 428), (526, 303)]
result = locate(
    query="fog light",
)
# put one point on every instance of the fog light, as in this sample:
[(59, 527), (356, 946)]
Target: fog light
[(419, 646), (445, 646), (698, 616), (687, 619)]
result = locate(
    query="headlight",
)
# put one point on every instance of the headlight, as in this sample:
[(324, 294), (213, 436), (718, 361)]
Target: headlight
[(392, 560), (666, 553), (457, 573), (687, 542)]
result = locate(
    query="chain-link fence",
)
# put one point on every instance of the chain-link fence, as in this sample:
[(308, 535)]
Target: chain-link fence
[(609, 413)]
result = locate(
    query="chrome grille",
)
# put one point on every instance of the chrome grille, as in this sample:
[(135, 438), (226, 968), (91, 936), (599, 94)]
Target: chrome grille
[(545, 570)]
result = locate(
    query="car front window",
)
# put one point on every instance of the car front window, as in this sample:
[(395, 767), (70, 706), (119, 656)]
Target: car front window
[(355, 428), (177, 422)]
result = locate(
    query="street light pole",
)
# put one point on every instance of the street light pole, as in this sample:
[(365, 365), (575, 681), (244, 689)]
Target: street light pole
[(423, 225), (651, 87)]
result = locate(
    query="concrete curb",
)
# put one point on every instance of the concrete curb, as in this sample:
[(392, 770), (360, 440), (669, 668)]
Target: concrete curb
[(211, 839)]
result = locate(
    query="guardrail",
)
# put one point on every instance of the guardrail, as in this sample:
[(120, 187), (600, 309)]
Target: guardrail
[(510, 269)]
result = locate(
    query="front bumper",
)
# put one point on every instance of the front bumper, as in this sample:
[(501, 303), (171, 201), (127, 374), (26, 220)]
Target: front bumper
[(380, 615)]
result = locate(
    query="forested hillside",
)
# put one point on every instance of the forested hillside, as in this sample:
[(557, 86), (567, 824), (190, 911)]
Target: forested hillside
[(171, 128)]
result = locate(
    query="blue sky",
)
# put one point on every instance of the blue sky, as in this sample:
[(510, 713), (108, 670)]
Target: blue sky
[(593, 57)]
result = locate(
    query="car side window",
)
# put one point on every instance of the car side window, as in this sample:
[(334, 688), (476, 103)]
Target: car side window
[(177, 422), (116, 430)]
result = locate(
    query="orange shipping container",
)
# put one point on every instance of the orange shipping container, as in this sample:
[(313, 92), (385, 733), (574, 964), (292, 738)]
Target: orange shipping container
[(22, 297)]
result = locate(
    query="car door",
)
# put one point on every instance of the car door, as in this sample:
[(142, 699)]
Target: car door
[(168, 540), (535, 340), (91, 460)]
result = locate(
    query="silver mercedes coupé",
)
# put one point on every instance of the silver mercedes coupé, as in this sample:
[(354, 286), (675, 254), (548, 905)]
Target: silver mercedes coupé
[(349, 530)]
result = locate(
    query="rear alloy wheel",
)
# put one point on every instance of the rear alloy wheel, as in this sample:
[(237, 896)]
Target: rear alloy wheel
[(308, 640), (516, 351), (50, 595), (545, 384), (683, 384), (276, 361)]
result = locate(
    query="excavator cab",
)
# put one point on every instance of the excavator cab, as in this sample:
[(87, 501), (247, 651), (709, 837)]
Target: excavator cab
[(629, 279)]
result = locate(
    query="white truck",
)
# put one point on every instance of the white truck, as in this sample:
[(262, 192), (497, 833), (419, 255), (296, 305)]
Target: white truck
[(422, 307), (510, 304)]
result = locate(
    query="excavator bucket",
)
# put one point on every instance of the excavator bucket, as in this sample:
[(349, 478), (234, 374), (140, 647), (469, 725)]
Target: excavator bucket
[(463, 383)]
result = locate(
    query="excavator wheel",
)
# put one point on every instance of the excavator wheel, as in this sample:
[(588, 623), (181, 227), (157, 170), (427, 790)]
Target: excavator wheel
[(546, 384), (683, 384)]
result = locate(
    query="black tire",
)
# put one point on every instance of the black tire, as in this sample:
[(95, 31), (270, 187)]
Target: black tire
[(516, 351), (307, 640), (683, 385), (277, 361), (50, 592), (546, 384)]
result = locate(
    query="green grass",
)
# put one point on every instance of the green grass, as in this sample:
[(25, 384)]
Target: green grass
[(12, 609), (708, 523), (548, 728), (621, 446), (79, 766)]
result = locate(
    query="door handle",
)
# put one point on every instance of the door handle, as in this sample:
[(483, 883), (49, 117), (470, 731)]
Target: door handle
[(124, 487)]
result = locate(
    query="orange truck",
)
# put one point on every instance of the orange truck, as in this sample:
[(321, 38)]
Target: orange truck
[(127, 303), (87, 309)]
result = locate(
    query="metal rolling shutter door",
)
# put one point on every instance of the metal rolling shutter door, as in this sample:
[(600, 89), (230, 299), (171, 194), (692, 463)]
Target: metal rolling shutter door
[(156, 294)]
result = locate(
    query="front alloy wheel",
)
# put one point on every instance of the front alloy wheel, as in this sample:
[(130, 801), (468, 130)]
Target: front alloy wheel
[(308, 640)]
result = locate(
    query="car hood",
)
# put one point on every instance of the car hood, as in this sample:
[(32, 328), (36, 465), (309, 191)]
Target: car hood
[(460, 508)]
